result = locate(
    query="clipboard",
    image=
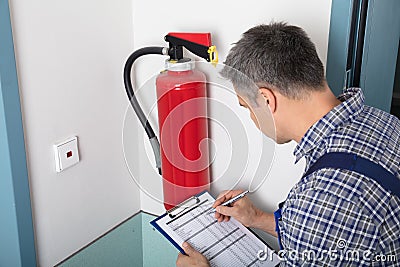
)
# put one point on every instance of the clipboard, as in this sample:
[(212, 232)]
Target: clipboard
[(219, 242), (173, 213)]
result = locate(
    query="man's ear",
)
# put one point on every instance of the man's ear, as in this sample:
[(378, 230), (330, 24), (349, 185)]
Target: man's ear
[(269, 97)]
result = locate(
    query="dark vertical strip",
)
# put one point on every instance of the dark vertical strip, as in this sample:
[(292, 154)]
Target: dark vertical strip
[(360, 43), (395, 106), (352, 34)]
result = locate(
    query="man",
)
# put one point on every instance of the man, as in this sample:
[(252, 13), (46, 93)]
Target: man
[(329, 212)]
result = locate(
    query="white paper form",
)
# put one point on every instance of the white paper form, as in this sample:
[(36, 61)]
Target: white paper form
[(223, 244)]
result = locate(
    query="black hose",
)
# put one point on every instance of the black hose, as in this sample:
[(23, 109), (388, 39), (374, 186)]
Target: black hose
[(135, 104)]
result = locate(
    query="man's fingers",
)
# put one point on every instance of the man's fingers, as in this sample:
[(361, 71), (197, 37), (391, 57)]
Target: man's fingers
[(221, 199), (180, 260), (223, 193), (188, 249), (223, 218), (227, 211), (192, 257), (223, 213), (226, 195)]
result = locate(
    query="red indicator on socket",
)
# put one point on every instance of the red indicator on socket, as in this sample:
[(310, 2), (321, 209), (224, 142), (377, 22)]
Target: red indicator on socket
[(69, 154)]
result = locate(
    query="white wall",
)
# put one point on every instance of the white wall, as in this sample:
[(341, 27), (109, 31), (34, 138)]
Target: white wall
[(70, 56), (226, 20)]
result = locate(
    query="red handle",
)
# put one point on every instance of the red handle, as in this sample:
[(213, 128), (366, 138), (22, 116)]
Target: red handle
[(199, 38)]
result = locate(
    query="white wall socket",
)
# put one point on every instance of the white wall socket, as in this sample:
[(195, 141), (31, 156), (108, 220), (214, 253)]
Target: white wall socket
[(66, 154)]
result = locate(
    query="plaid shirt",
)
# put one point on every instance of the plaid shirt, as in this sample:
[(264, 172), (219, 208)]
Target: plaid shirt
[(337, 217)]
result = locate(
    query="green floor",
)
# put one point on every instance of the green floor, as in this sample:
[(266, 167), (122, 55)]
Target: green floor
[(133, 243)]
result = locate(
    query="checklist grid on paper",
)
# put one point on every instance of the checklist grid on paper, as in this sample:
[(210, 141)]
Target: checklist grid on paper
[(223, 244)]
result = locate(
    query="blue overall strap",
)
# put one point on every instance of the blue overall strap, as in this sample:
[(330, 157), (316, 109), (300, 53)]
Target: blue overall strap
[(353, 162), (278, 216)]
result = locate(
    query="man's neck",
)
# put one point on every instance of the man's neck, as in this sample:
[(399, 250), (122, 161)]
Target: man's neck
[(307, 112)]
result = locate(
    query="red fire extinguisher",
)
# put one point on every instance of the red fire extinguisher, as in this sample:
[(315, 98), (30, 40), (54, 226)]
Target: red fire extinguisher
[(182, 158)]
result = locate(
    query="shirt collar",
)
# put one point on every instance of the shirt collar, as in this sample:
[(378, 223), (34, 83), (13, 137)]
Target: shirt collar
[(352, 103)]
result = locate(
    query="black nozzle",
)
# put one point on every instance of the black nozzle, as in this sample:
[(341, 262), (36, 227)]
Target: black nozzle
[(175, 52), (176, 48)]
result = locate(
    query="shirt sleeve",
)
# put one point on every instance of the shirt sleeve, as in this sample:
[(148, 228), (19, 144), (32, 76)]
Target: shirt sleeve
[(321, 228)]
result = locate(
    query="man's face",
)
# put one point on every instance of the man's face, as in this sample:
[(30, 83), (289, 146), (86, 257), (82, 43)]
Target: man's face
[(260, 115)]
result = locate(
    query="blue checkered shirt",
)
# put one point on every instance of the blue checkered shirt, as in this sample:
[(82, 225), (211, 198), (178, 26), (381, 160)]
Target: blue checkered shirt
[(337, 217)]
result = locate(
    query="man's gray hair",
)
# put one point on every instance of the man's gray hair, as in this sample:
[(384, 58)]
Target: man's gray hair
[(277, 56)]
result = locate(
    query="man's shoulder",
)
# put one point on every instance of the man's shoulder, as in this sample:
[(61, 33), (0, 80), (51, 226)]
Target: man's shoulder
[(373, 134), (354, 191), (374, 116)]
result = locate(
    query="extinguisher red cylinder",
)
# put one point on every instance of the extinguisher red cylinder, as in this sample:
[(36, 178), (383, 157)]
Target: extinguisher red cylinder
[(183, 124)]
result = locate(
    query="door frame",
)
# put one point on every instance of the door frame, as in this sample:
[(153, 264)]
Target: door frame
[(17, 243), (378, 49)]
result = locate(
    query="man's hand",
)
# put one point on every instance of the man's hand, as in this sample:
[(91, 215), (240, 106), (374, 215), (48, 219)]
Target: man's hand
[(193, 258), (244, 211)]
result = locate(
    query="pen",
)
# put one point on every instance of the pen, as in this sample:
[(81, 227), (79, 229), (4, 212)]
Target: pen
[(232, 200)]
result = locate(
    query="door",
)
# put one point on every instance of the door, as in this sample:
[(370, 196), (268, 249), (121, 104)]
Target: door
[(363, 48)]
